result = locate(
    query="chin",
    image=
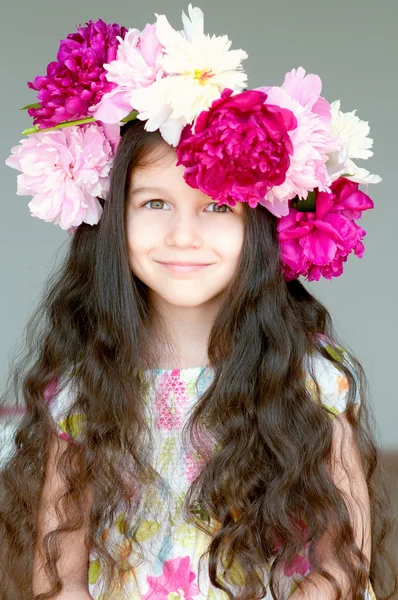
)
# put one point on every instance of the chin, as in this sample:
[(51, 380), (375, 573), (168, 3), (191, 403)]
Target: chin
[(195, 296), (186, 302)]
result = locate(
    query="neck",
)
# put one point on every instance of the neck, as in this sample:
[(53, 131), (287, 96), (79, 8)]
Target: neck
[(182, 333)]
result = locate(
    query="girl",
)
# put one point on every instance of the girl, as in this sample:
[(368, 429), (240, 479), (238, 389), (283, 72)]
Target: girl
[(189, 431)]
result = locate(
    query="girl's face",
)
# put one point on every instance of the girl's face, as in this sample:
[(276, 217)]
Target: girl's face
[(167, 222)]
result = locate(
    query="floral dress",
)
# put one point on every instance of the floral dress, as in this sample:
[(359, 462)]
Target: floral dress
[(170, 569)]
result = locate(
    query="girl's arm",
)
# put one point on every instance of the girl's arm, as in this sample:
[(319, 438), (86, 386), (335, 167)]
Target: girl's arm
[(74, 553), (353, 486)]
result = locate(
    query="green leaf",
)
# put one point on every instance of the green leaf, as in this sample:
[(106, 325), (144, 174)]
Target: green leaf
[(94, 571), (35, 105), (74, 425), (331, 409), (130, 117), (121, 524), (147, 530), (305, 205), (336, 352)]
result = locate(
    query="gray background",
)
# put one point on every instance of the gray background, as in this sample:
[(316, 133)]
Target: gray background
[(351, 44)]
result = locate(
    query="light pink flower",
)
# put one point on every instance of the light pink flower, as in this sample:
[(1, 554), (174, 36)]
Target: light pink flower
[(65, 171), (315, 244), (312, 139), (177, 580), (240, 149), (137, 65)]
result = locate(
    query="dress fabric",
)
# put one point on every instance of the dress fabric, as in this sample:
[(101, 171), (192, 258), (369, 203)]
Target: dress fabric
[(169, 568)]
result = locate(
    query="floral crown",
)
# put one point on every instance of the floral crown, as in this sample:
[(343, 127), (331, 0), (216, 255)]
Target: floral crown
[(284, 147)]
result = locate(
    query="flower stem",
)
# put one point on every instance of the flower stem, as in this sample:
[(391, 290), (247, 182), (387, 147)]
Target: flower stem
[(35, 129), (130, 117)]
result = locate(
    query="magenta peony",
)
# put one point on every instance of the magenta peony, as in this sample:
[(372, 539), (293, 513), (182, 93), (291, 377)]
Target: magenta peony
[(239, 149), (65, 171), (77, 79), (315, 244)]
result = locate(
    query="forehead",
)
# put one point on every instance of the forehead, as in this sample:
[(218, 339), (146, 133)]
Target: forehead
[(159, 164), (159, 174)]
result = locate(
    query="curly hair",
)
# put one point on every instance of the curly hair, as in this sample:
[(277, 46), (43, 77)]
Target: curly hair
[(272, 440)]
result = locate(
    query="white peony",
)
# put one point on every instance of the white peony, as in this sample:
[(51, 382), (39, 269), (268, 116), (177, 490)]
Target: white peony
[(196, 67), (354, 143)]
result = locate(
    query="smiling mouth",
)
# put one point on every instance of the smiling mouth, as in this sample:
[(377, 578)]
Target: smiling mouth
[(175, 268)]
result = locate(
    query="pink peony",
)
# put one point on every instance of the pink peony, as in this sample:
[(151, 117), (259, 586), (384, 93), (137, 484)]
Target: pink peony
[(77, 79), (312, 139), (65, 170), (315, 244), (136, 66), (240, 149)]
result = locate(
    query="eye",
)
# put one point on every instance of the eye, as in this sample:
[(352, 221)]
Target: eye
[(149, 201), (220, 207)]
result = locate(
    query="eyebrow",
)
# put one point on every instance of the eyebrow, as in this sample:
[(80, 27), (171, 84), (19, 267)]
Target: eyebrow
[(152, 190)]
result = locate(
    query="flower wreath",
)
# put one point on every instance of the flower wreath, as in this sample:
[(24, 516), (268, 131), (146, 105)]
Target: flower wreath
[(285, 147)]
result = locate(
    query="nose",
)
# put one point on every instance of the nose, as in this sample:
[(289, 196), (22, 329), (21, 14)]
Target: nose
[(185, 230)]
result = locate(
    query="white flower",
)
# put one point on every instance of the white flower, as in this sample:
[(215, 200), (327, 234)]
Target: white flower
[(354, 143), (197, 68)]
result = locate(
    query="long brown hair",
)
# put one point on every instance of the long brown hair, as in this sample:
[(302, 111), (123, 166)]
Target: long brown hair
[(272, 439)]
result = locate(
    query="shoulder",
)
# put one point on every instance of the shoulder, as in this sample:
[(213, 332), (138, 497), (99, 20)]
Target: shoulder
[(334, 384)]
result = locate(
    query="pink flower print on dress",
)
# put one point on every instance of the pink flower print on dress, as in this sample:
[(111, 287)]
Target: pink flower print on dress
[(193, 465), (171, 397), (300, 565), (175, 583), (51, 390)]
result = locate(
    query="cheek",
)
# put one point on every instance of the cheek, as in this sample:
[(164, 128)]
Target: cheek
[(229, 240), (141, 235), (139, 241)]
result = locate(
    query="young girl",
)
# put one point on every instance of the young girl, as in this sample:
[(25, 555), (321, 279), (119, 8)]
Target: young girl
[(192, 428)]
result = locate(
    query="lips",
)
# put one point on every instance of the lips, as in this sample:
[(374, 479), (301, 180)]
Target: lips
[(185, 264), (184, 268)]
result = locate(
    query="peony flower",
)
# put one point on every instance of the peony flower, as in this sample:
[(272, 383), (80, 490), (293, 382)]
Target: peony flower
[(315, 244), (65, 171), (240, 149), (311, 140), (197, 68), (354, 143), (76, 80), (136, 65)]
